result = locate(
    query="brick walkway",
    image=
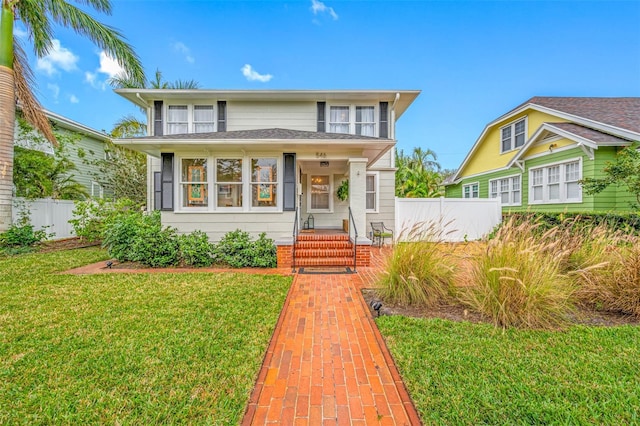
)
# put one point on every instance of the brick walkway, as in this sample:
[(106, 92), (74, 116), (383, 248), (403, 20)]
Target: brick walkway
[(327, 363)]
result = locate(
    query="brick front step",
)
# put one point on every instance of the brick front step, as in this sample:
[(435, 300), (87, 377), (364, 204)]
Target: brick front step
[(323, 237), (324, 245), (324, 261), (323, 252)]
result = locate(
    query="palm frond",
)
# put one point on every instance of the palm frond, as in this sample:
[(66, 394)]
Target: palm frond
[(31, 108), (184, 84), (33, 15), (128, 126)]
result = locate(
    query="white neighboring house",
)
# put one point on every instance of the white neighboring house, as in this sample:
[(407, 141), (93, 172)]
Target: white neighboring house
[(221, 160)]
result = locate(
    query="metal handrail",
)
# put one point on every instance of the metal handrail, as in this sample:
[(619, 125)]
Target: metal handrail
[(295, 239), (352, 224)]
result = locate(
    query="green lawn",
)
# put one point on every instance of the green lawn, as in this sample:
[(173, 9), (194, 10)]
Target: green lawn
[(463, 373), (129, 348)]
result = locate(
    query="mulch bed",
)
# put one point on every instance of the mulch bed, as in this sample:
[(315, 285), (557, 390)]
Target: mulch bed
[(456, 312), (65, 244)]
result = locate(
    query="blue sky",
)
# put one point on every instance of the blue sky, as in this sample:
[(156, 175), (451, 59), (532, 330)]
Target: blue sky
[(472, 60)]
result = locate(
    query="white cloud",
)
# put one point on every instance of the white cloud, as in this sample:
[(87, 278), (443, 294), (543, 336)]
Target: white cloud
[(58, 58), (109, 65), (19, 32), (320, 7), (55, 90), (92, 79), (73, 99), (253, 75), (182, 48)]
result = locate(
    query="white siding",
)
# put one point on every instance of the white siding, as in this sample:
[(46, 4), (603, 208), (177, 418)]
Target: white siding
[(331, 220), (386, 211), (268, 115), (216, 225), (153, 165), (385, 162)]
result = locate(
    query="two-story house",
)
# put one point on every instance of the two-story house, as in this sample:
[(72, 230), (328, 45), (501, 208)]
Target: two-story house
[(271, 161), (533, 157)]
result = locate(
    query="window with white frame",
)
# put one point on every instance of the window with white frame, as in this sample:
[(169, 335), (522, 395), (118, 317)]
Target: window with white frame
[(372, 192), (97, 191), (203, 119), (471, 190), (177, 119), (556, 183), (264, 182), (193, 182), (320, 197), (353, 119), (508, 189), (228, 182), (513, 135)]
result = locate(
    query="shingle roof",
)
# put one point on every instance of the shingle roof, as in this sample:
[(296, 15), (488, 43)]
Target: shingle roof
[(590, 134), (268, 134), (623, 113)]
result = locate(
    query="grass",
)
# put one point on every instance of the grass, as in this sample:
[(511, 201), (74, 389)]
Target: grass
[(468, 374), (129, 348)]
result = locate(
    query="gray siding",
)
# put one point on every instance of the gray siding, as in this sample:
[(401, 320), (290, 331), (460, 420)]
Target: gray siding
[(386, 210), (85, 150), (385, 162)]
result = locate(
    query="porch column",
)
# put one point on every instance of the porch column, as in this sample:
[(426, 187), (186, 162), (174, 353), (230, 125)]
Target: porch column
[(358, 195)]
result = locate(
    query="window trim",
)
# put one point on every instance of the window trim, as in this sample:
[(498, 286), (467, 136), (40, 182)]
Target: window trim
[(331, 189), (95, 184), (214, 177), (352, 117), (377, 191), (180, 184), (562, 182), (512, 125), (277, 183), (471, 184), (510, 177), (190, 116)]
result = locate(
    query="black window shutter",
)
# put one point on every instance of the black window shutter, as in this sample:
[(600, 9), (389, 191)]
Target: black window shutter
[(289, 180), (222, 116), (157, 118), (166, 196), (322, 106), (157, 190), (384, 120)]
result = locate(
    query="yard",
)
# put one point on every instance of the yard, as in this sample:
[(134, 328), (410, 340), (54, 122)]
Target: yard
[(129, 349), (467, 373)]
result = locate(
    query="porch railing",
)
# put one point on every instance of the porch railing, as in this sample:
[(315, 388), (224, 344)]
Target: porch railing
[(352, 225), (295, 242)]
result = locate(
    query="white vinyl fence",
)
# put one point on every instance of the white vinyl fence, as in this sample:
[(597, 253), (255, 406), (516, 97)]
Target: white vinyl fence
[(450, 219), (51, 215)]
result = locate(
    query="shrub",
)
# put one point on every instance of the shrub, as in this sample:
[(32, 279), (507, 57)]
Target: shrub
[(120, 234), (238, 251), (21, 236), (608, 274), (156, 247), (195, 249), (579, 222), (519, 280), (417, 273), (92, 217)]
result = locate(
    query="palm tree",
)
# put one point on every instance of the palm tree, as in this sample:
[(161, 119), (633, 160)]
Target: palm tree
[(418, 175), (16, 78)]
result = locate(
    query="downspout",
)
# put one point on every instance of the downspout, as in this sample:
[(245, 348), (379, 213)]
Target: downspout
[(393, 116)]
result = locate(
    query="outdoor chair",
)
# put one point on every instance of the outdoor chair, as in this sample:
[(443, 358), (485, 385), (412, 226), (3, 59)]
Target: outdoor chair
[(379, 232)]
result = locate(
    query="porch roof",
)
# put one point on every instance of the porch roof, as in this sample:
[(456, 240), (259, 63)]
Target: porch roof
[(257, 134)]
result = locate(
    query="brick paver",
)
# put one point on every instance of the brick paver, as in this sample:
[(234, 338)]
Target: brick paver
[(327, 363)]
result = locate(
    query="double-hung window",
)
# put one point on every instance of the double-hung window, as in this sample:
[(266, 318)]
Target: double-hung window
[(193, 182), (203, 119), (353, 119), (228, 182), (177, 119), (471, 190), (264, 182), (372, 192), (320, 197), (556, 183), (508, 189), (513, 135)]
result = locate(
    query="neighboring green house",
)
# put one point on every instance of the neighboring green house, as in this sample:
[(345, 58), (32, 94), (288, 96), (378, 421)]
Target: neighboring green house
[(87, 146), (534, 156)]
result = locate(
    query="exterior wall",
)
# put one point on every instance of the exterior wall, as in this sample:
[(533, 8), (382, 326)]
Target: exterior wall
[(611, 199), (488, 157), (266, 115), (385, 162), (387, 205), (84, 150), (276, 225), (326, 220)]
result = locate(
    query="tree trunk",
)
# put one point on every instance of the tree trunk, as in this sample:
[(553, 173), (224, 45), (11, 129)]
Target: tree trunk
[(7, 116)]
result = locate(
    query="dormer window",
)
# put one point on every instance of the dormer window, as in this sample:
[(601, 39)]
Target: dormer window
[(353, 119), (513, 135)]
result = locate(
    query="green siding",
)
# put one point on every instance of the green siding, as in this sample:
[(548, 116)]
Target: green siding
[(611, 199), (84, 150)]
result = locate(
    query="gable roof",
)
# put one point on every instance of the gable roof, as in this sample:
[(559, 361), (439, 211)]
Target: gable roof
[(613, 116), (261, 134), (599, 138)]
